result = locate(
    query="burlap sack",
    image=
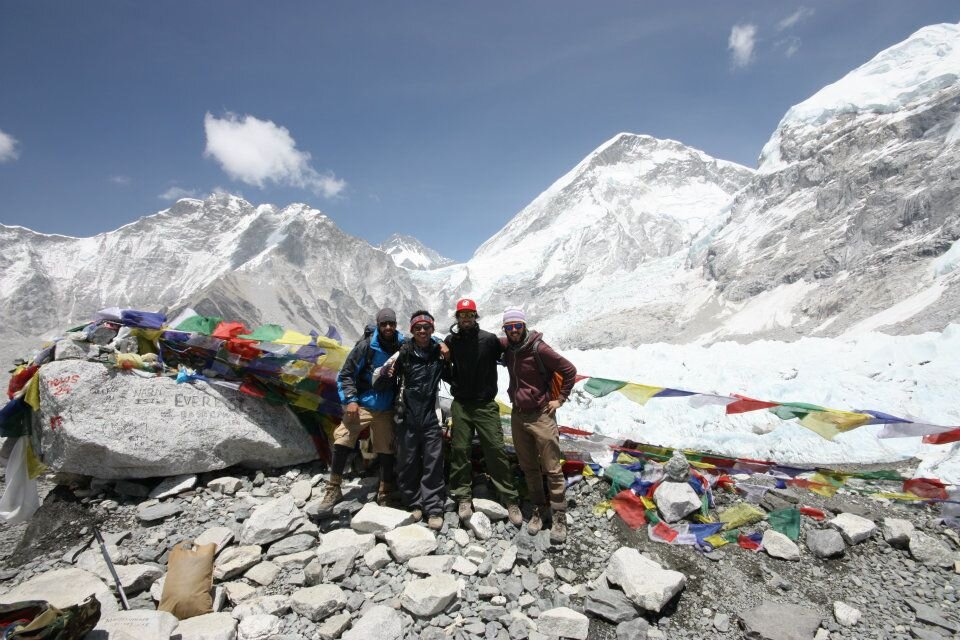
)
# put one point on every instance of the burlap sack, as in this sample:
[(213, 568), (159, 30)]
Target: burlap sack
[(186, 589)]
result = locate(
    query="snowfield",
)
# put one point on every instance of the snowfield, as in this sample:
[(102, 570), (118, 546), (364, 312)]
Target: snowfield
[(914, 377)]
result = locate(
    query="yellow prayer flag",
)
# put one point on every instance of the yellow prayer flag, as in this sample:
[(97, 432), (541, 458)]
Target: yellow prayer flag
[(35, 467), (896, 496), (705, 519), (639, 393), (32, 392), (741, 515), (505, 409), (716, 540), (648, 502), (600, 508), (587, 470), (293, 337), (307, 401), (827, 424)]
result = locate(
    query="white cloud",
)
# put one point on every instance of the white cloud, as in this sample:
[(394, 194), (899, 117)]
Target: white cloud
[(121, 180), (258, 151), (800, 14), (742, 39), (8, 147), (175, 193), (790, 46)]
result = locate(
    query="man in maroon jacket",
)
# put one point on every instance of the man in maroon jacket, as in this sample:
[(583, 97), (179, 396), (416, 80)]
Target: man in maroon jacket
[(532, 364)]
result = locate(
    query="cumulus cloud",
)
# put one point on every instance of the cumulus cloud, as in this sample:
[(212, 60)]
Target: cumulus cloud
[(800, 14), (743, 37), (259, 152), (8, 147), (175, 193), (120, 180)]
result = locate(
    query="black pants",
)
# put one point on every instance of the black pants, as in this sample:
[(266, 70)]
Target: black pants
[(419, 466)]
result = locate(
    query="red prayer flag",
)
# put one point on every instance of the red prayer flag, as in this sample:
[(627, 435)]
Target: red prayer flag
[(630, 509), (227, 330), (572, 431), (926, 488), (745, 404), (943, 438), (747, 543), (665, 531), (810, 512)]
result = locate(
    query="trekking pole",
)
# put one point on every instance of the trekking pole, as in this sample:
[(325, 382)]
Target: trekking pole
[(113, 571)]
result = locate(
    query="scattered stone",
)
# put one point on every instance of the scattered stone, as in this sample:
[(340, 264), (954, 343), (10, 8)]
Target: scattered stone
[(897, 532), (825, 543), (645, 582), (613, 606), (461, 537), (174, 485), (677, 469), (780, 546), (300, 492), (334, 626), (927, 550), (509, 557), (343, 543), (220, 536), (566, 575), (780, 621), (235, 560), (259, 627), (428, 597), (475, 553), (430, 565), (480, 524), (564, 623), (140, 624), (676, 500), (845, 614), (855, 529), (270, 605), (410, 541), (378, 557), (158, 512), (546, 571), (210, 626), (493, 510), (63, 588), (380, 622), (463, 566), (293, 544), (237, 592), (226, 485), (263, 574), (271, 521), (373, 518), (316, 603), (930, 615), (721, 622), (295, 560), (637, 629)]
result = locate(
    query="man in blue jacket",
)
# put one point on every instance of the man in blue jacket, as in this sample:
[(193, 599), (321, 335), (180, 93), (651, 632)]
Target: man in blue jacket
[(363, 407)]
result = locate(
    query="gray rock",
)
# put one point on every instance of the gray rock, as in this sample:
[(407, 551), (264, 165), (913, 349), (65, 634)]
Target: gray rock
[(927, 550), (779, 621), (227, 485), (233, 561), (157, 512), (780, 546), (378, 557), (645, 582), (676, 500), (334, 626), (507, 560), (380, 622), (613, 606), (293, 544), (633, 629), (930, 615), (174, 485), (677, 469), (410, 541), (63, 588), (373, 518), (271, 605), (316, 603), (429, 596), (566, 575), (271, 521), (845, 614), (215, 427), (139, 624), (564, 623), (825, 543), (480, 524), (259, 627), (263, 573), (493, 510), (431, 565), (210, 626), (855, 529), (897, 532), (220, 536), (721, 622), (342, 543)]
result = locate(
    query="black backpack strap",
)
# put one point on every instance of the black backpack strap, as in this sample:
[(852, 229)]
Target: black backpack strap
[(536, 356)]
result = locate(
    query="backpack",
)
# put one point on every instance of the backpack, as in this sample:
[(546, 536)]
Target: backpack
[(554, 380)]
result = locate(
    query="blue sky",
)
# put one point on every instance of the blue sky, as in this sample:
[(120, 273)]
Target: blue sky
[(440, 120)]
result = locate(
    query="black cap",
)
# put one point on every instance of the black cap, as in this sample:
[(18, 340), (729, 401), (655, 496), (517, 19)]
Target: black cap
[(386, 315)]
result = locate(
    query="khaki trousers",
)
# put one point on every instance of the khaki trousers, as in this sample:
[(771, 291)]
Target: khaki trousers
[(381, 430), (536, 439)]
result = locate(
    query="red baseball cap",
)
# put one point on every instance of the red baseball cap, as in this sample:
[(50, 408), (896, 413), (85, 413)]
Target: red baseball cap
[(466, 304)]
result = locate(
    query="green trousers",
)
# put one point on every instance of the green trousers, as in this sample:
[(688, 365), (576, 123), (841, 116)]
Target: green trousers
[(482, 418)]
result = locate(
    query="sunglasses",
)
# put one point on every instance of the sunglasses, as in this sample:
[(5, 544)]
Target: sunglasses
[(422, 327), (388, 323), (516, 326), (466, 314)]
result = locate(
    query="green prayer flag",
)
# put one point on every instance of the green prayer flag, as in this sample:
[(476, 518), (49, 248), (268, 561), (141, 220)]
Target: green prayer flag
[(199, 324), (790, 410), (600, 387), (652, 516), (786, 521), (619, 474), (732, 535), (265, 333)]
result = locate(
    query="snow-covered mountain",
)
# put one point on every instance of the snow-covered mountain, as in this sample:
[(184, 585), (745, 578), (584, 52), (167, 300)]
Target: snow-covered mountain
[(222, 256), (410, 253)]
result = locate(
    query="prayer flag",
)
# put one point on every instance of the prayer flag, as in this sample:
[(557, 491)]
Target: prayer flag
[(743, 404), (599, 387), (639, 393)]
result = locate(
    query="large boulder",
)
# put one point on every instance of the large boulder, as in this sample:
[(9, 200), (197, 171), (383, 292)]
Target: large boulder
[(646, 583), (102, 422), (63, 588)]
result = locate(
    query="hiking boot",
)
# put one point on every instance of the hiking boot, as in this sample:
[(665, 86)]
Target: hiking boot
[(386, 495), (513, 512), (417, 514), (536, 523), (558, 531), (465, 510), (435, 522), (332, 495)]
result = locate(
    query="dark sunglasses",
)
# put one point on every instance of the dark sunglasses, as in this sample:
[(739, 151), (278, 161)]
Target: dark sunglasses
[(389, 323), (466, 314), (516, 326), (422, 327)]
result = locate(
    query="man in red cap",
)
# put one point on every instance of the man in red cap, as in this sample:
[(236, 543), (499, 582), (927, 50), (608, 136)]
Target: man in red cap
[(474, 354)]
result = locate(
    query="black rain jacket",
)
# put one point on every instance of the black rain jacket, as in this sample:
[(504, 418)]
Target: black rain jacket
[(475, 355)]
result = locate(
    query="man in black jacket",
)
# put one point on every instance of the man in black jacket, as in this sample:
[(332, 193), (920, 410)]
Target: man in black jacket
[(418, 368), (474, 354)]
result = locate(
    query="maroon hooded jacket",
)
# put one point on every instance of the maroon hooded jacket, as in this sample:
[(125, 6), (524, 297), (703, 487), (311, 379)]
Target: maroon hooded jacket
[(529, 391)]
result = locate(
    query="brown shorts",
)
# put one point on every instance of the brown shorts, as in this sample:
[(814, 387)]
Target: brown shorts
[(381, 430)]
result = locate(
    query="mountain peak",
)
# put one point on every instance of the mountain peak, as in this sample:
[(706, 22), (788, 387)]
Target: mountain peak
[(410, 253)]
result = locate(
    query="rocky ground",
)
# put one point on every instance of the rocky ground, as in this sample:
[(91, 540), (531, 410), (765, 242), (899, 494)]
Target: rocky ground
[(281, 572)]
